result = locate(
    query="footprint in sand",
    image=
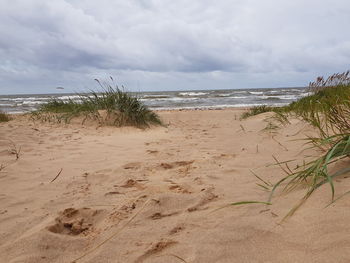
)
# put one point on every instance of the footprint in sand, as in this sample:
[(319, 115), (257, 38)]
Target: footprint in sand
[(175, 164), (125, 210), (168, 205), (159, 215), (158, 142), (152, 151), (132, 166), (177, 229), (76, 221), (179, 189), (133, 183), (156, 249), (224, 156), (114, 193), (206, 197)]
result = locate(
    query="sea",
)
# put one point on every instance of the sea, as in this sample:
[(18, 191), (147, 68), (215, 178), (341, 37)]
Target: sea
[(169, 100)]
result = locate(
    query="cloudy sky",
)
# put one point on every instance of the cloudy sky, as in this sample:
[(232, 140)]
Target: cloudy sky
[(170, 45)]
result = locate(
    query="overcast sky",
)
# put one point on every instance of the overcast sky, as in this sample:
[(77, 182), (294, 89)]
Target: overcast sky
[(170, 44)]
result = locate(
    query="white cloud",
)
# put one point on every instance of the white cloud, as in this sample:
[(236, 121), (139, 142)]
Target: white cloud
[(176, 44)]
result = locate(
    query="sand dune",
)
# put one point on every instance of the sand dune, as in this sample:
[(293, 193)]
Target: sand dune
[(128, 195)]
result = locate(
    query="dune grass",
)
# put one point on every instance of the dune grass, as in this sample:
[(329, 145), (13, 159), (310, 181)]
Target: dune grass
[(112, 106), (256, 110), (316, 172), (328, 110), (4, 117)]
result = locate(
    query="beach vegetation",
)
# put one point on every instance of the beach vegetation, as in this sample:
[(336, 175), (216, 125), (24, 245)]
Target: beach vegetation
[(4, 117), (327, 108), (271, 127), (256, 110), (113, 106)]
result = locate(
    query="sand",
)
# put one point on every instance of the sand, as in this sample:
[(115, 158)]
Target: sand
[(105, 194)]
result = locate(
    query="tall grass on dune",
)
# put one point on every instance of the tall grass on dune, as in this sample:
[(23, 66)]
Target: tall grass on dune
[(335, 80), (317, 172), (4, 117), (112, 106), (256, 110), (328, 110), (280, 113)]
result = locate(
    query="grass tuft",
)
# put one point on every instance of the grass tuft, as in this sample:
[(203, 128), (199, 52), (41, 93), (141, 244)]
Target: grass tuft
[(328, 110), (4, 117), (256, 110), (112, 106)]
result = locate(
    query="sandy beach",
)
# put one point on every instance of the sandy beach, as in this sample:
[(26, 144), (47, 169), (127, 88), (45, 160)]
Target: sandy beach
[(105, 194)]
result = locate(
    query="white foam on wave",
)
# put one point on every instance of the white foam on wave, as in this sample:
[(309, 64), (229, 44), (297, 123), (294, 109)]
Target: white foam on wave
[(305, 94), (155, 97), (238, 97), (281, 97), (230, 96), (25, 99), (241, 91), (71, 97), (224, 95), (32, 102), (256, 92), (170, 99), (222, 106), (193, 93)]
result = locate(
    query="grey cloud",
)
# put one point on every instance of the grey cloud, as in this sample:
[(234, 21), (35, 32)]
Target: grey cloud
[(78, 38)]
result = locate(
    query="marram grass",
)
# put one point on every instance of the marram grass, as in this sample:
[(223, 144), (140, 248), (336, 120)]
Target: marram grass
[(316, 173), (327, 108), (112, 106), (4, 117), (256, 110)]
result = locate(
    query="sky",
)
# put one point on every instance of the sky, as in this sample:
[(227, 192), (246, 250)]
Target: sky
[(156, 45)]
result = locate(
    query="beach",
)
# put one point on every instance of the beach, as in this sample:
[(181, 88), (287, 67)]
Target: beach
[(86, 193)]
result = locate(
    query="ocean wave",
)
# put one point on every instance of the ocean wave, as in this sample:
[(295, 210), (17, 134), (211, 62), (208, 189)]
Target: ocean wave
[(155, 97), (25, 99), (223, 95), (193, 93), (7, 105), (299, 90), (171, 99), (237, 97), (71, 97), (221, 106), (281, 97), (305, 94), (32, 102), (241, 91), (231, 95)]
